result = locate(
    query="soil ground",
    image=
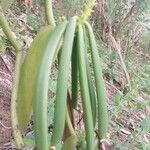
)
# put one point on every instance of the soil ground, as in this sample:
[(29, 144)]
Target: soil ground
[(6, 69)]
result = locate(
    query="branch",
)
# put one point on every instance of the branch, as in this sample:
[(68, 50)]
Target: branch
[(6, 29), (14, 120), (113, 87)]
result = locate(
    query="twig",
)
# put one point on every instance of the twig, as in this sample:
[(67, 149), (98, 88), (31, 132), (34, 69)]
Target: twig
[(141, 53), (80, 120), (118, 48), (114, 87), (4, 126), (128, 14)]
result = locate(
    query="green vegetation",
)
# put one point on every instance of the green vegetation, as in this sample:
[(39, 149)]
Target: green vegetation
[(62, 77)]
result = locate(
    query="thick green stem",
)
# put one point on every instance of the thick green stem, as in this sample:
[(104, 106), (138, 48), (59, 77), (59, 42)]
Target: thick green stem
[(14, 120), (10, 35), (70, 127), (49, 13)]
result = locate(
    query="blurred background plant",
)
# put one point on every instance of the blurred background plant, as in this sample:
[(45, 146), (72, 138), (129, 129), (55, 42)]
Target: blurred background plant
[(122, 29)]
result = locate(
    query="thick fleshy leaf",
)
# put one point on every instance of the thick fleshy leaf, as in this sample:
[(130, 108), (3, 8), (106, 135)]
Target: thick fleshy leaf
[(28, 76)]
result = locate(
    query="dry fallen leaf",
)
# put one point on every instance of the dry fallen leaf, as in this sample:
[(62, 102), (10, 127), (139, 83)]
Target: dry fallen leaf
[(125, 131)]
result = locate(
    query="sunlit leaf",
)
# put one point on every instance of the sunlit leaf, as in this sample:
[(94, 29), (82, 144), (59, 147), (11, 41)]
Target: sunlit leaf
[(29, 71)]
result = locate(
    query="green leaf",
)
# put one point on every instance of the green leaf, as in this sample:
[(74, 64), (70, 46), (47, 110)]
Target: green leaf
[(117, 99), (70, 144), (5, 4), (28, 76), (29, 141)]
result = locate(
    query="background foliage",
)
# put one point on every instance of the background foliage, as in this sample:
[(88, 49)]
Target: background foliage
[(129, 23)]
